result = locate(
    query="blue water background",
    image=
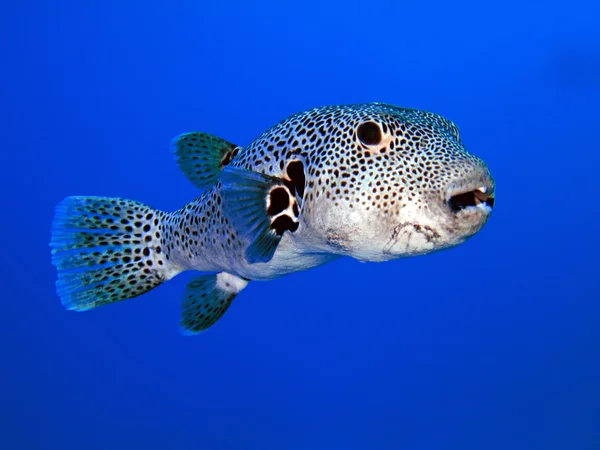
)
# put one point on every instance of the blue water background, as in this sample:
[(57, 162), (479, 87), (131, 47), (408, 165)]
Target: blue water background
[(492, 345)]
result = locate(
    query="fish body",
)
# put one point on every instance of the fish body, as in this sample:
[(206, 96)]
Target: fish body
[(373, 181)]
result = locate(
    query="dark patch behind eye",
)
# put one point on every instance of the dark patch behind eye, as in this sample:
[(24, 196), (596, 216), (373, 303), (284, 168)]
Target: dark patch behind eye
[(284, 223), (295, 172), (279, 200), (369, 133)]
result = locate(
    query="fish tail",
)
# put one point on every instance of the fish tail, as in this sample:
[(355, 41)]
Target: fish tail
[(107, 250)]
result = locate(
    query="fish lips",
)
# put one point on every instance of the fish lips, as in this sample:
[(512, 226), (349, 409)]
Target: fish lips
[(471, 196)]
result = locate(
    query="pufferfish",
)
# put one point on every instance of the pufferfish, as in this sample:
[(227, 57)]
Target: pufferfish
[(374, 182)]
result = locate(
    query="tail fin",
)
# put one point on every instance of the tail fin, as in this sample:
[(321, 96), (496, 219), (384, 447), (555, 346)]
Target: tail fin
[(107, 250)]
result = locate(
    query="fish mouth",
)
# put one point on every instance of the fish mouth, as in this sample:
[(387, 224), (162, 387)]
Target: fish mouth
[(471, 197)]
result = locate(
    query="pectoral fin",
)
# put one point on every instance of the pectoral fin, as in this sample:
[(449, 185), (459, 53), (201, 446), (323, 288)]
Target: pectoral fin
[(261, 207)]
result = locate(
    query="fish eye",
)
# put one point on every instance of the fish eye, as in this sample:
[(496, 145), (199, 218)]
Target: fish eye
[(369, 133)]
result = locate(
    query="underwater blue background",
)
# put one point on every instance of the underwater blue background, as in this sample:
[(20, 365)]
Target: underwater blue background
[(491, 345)]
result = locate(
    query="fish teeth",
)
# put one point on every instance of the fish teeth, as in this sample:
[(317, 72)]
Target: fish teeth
[(482, 189)]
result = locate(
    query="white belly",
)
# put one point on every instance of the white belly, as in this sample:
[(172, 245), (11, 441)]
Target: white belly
[(288, 258)]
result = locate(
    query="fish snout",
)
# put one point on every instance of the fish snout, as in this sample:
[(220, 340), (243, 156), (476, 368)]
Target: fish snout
[(471, 196)]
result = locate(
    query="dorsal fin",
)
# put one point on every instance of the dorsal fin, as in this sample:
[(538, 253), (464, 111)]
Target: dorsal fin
[(202, 156)]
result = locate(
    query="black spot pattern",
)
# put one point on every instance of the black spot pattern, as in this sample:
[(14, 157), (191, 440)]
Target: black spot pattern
[(201, 156), (295, 174), (203, 304), (421, 152), (279, 201), (200, 229), (106, 250), (323, 155), (284, 223)]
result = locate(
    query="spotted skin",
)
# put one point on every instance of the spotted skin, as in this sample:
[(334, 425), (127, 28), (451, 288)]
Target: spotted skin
[(122, 240), (418, 155), (371, 181)]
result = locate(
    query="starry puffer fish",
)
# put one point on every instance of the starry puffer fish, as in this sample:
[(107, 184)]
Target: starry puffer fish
[(372, 181)]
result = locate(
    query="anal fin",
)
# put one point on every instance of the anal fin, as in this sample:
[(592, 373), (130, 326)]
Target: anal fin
[(206, 299)]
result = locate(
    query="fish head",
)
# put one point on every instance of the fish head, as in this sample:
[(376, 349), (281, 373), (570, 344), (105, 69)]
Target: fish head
[(390, 182)]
